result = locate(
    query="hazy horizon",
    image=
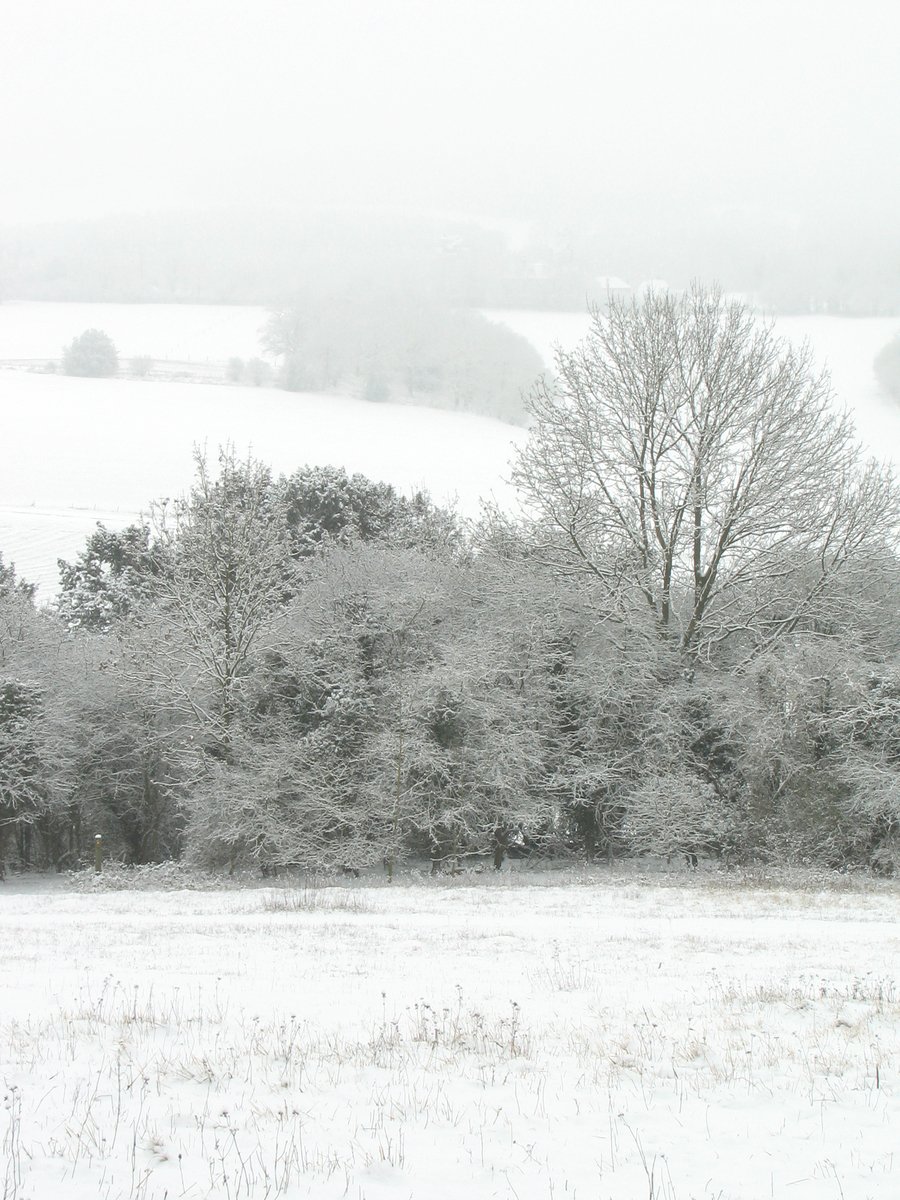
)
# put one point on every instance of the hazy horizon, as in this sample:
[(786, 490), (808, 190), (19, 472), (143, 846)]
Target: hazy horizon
[(683, 121)]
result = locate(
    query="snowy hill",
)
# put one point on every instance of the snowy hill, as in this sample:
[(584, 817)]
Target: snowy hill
[(76, 445)]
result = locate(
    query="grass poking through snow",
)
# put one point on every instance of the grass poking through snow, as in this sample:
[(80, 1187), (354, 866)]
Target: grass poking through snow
[(598, 1042)]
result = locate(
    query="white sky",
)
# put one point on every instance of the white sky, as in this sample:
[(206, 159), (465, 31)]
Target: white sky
[(507, 107)]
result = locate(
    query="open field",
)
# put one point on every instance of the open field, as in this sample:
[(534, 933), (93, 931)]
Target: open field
[(610, 1039)]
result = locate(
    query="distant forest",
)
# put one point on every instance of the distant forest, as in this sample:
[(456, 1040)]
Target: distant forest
[(268, 258)]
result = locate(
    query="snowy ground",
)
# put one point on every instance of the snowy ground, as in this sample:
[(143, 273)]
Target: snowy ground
[(605, 1040)]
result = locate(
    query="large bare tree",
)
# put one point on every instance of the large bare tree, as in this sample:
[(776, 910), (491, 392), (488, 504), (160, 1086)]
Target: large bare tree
[(685, 455)]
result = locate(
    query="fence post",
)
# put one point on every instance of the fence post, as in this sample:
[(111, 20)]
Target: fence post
[(98, 852)]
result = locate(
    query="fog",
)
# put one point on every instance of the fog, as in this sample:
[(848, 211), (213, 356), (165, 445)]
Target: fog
[(684, 134)]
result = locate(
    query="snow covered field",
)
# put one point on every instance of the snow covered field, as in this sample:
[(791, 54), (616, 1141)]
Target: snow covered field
[(608, 1039), (111, 444), (77, 451)]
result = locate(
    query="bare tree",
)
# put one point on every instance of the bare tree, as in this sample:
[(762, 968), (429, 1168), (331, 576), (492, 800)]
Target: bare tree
[(686, 456)]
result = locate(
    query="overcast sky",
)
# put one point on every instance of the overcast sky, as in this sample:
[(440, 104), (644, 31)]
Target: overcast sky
[(496, 107)]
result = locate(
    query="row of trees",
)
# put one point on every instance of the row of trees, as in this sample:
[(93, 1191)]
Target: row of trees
[(686, 645)]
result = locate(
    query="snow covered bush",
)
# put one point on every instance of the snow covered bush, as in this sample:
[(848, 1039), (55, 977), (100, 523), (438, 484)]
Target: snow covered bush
[(675, 814), (93, 354)]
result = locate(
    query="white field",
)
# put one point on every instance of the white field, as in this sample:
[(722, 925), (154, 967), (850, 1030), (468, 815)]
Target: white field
[(604, 1040), (77, 451), (115, 445)]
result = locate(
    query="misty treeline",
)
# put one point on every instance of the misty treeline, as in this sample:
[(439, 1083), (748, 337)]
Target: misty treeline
[(389, 345), (686, 644), (267, 258)]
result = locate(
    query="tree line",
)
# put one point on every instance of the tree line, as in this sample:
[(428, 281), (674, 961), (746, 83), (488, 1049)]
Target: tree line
[(388, 344), (685, 643)]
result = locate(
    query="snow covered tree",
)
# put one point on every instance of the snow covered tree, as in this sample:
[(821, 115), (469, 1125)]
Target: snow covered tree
[(821, 755), (37, 705), (230, 572), (117, 572), (314, 707), (92, 354), (392, 715), (325, 505), (21, 783), (690, 462), (128, 767), (12, 585)]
